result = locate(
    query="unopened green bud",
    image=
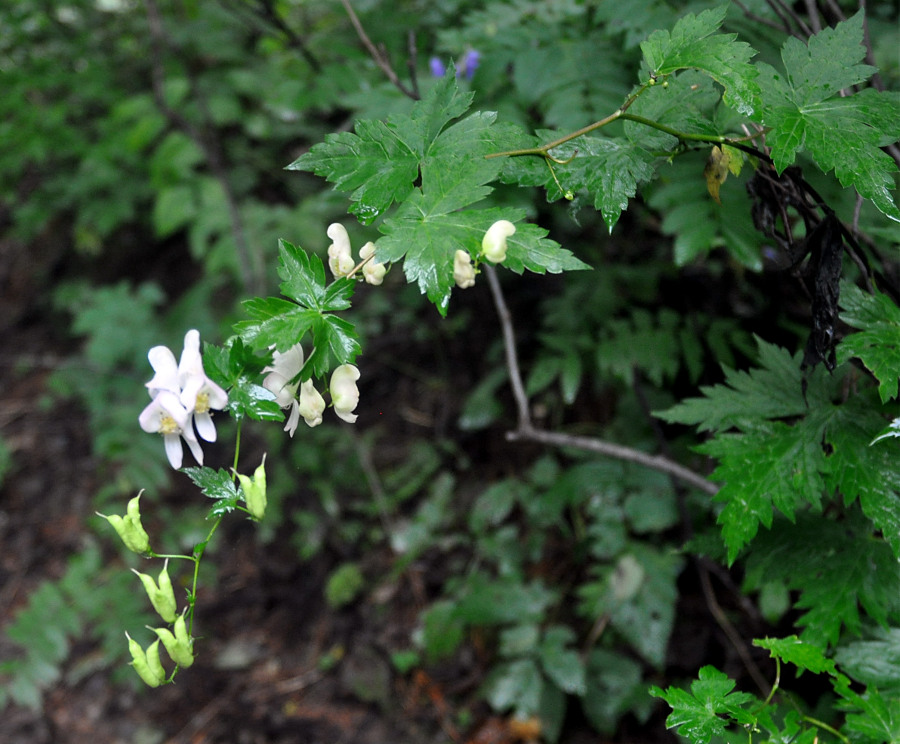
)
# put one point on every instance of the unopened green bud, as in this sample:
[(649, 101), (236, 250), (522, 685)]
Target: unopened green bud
[(179, 646), (129, 527), (255, 490), (147, 663), (162, 595)]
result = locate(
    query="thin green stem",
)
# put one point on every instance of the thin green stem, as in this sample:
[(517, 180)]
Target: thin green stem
[(831, 730), (775, 683), (544, 150), (237, 451), (620, 113), (198, 555)]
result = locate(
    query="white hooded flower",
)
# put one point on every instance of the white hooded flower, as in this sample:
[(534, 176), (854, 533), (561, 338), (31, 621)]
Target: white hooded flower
[(372, 271), (340, 257), (284, 368), (493, 245), (311, 405), (463, 271), (344, 393)]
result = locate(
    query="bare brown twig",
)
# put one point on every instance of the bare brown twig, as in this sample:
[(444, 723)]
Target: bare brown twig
[(379, 56), (526, 430)]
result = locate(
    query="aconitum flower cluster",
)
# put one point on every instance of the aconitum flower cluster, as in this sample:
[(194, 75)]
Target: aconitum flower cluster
[(309, 403), (183, 397)]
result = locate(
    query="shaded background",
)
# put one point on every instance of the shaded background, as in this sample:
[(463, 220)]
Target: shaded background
[(143, 192)]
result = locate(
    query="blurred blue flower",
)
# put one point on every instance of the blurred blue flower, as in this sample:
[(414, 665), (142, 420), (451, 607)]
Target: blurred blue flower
[(470, 62), (466, 65)]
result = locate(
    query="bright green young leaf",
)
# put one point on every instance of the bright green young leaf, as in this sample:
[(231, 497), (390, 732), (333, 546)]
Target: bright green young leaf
[(303, 275), (281, 323), (801, 654), (694, 44), (804, 110), (708, 709), (877, 344)]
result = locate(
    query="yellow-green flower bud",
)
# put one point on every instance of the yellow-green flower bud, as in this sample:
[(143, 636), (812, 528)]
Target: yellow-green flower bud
[(147, 663), (179, 646), (162, 595), (255, 490), (129, 527)]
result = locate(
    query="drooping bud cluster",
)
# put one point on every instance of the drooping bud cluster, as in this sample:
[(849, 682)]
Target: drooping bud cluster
[(281, 381), (340, 257), (183, 397)]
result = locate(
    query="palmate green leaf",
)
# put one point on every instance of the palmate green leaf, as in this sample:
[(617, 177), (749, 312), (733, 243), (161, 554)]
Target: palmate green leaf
[(816, 555), (429, 238), (804, 111), (708, 709), (379, 162), (877, 345), (694, 44), (773, 466)]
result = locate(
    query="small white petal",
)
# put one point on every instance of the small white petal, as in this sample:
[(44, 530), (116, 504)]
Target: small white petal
[(173, 450), (293, 419), (166, 378), (206, 429), (193, 444)]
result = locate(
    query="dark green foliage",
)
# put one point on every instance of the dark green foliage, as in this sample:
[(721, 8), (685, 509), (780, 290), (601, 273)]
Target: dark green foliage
[(566, 570)]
